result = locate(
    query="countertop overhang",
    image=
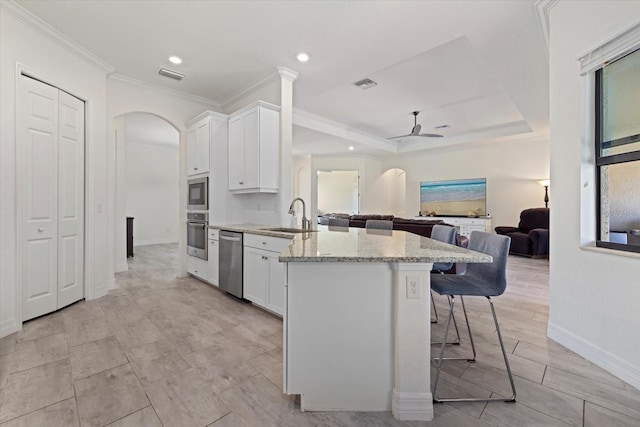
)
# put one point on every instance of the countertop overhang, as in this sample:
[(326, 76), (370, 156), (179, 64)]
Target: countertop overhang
[(342, 244)]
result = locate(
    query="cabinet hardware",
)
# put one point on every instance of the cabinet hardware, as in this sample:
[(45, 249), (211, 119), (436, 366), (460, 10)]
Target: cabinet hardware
[(41, 229), (241, 183)]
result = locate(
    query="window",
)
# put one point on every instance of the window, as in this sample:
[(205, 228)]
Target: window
[(617, 139)]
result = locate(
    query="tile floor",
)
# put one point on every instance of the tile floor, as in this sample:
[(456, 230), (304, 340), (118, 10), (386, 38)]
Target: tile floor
[(162, 351)]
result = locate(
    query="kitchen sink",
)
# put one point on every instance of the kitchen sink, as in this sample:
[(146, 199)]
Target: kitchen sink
[(289, 230)]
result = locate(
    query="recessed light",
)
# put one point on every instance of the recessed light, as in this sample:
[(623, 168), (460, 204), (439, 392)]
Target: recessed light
[(303, 57), (175, 60), (351, 148)]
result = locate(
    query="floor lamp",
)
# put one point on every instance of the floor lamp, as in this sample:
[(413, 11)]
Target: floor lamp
[(545, 183)]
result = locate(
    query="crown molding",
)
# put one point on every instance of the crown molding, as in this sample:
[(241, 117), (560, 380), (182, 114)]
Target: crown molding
[(543, 7), (173, 92), (269, 78), (322, 124), (288, 73), (46, 30)]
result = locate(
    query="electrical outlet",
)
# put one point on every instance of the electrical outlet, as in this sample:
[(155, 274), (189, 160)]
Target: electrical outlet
[(413, 287)]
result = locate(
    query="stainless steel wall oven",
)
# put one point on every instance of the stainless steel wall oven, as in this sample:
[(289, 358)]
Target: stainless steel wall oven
[(197, 224)]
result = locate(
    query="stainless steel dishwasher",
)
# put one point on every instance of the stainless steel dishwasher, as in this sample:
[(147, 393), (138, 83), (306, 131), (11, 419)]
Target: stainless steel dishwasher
[(231, 262)]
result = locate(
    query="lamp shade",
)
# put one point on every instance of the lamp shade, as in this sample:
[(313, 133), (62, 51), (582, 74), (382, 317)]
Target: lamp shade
[(544, 182)]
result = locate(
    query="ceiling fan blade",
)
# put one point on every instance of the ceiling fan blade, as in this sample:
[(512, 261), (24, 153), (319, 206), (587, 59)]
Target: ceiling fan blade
[(431, 135), (400, 136)]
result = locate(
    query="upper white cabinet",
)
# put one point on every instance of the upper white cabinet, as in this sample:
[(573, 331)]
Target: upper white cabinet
[(254, 139), (201, 132)]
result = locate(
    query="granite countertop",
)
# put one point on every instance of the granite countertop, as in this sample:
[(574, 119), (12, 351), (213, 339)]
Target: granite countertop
[(342, 244), (253, 229)]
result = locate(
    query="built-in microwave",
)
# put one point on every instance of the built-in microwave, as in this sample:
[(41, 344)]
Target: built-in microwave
[(198, 194)]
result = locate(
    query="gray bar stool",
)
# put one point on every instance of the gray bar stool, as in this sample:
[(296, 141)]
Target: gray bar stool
[(338, 222), (379, 224), (480, 280)]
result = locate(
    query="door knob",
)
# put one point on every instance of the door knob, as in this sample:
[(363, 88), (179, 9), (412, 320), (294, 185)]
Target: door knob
[(41, 229)]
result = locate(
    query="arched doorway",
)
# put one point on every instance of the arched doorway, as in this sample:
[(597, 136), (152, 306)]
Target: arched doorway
[(147, 181), (394, 182)]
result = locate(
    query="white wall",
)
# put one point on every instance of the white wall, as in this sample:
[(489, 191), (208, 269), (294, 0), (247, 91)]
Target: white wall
[(126, 97), (338, 192), (594, 294), (49, 61), (152, 186), (370, 170), (511, 169)]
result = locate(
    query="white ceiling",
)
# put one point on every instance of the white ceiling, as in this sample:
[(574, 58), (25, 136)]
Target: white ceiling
[(478, 66)]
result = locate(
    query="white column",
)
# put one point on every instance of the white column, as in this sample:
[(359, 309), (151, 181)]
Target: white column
[(287, 76), (412, 399)]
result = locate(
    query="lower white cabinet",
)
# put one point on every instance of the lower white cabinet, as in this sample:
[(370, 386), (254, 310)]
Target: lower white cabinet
[(198, 267), (214, 263), (264, 276)]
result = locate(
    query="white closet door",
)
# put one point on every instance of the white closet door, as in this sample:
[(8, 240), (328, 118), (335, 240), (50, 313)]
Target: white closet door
[(51, 191), (70, 200), (38, 133)]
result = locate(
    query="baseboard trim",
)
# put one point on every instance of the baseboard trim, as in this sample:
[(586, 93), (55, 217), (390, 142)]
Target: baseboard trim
[(7, 327), (412, 406), (604, 359), (122, 267), (154, 242)]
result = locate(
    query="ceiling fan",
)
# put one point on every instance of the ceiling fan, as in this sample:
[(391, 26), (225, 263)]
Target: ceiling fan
[(416, 129)]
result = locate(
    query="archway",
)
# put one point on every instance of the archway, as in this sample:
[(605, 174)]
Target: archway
[(147, 181), (394, 185)]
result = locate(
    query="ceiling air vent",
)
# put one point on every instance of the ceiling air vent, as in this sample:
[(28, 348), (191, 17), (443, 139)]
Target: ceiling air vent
[(170, 73), (365, 83)]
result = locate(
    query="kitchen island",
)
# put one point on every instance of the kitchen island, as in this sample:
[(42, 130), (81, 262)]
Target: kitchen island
[(357, 319)]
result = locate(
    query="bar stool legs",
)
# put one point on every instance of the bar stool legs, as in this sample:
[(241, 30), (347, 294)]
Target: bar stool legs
[(441, 358)]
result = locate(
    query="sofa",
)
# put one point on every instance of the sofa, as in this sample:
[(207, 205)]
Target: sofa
[(531, 237)]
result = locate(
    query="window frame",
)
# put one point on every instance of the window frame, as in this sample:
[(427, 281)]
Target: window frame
[(602, 161)]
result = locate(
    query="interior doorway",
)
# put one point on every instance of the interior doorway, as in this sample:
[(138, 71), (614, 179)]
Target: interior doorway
[(147, 183), (338, 192)]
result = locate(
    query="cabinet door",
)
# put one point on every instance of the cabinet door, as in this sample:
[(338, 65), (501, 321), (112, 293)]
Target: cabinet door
[(255, 276), (214, 250), (203, 148), (236, 153), (252, 149), (192, 151), (277, 279)]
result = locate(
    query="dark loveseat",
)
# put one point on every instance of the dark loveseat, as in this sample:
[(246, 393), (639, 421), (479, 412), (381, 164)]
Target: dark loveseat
[(531, 237)]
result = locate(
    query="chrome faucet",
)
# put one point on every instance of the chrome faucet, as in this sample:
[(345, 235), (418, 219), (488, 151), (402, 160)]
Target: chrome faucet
[(306, 224)]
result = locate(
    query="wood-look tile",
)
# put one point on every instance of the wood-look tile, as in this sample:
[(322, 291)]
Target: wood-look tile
[(446, 415), (597, 416), (62, 414), (43, 385), (269, 364), (124, 315), (617, 399), (133, 334), (143, 418), (41, 327), (275, 339), (185, 399), (501, 414), (360, 419), (29, 354), (109, 396), (567, 361), (155, 361), (229, 420), (81, 310), (489, 377), (259, 402), (96, 356), (249, 336), (8, 344), (451, 386), (87, 330), (186, 331), (556, 404), (5, 364)]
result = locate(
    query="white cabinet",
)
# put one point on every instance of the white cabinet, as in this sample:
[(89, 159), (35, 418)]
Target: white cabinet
[(198, 267), (254, 140), (201, 131), (264, 275), (214, 251), (464, 225)]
